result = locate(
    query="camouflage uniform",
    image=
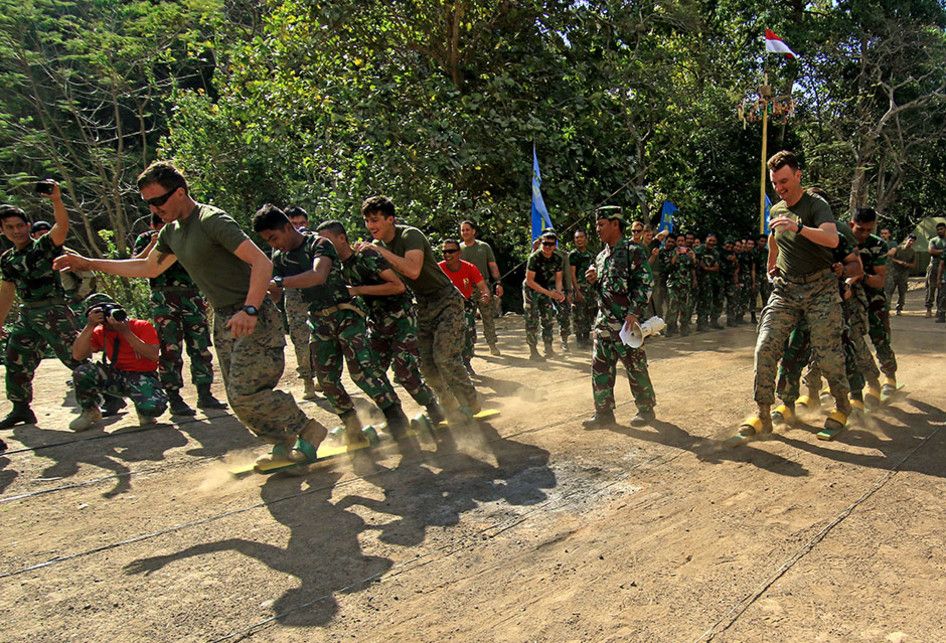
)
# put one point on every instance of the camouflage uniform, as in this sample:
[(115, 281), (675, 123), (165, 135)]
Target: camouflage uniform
[(746, 294), (391, 325), (537, 305), (180, 316), (729, 269), (659, 273), (80, 289), (623, 288), (761, 273), (583, 312), (297, 316), (44, 319), (874, 253), (563, 308), (680, 289), (932, 274), (710, 290), (93, 380)]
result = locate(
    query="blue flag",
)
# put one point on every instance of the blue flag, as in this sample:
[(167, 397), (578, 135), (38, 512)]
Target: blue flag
[(540, 214), (768, 213), (666, 216)]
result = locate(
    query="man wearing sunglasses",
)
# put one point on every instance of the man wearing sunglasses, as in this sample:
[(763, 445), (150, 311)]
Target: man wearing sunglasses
[(466, 277), (234, 275), (544, 285)]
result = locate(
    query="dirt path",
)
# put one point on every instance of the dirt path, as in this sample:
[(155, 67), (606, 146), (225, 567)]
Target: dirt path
[(528, 528)]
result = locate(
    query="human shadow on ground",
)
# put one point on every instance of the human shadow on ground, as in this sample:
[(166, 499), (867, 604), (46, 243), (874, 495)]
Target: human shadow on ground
[(7, 476), (709, 450), (323, 550), (900, 439)]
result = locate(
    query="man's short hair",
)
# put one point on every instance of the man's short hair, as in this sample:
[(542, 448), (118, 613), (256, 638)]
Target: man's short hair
[(380, 203), (10, 211), (864, 215), (165, 174), (334, 226), (550, 234), (472, 224), (40, 225), (941, 225), (453, 242), (781, 159), (711, 234), (269, 217), (296, 211)]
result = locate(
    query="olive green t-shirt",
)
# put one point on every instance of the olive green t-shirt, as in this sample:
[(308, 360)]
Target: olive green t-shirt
[(302, 259), (204, 243), (480, 254), (797, 256), (904, 254), (431, 282)]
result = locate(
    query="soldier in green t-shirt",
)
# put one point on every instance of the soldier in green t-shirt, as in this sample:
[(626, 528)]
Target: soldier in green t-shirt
[(936, 248), (902, 261), (544, 286), (45, 318), (481, 255), (234, 275), (804, 287), (441, 325)]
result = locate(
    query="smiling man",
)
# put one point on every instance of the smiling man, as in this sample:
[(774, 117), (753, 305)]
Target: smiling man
[(234, 275), (804, 287)]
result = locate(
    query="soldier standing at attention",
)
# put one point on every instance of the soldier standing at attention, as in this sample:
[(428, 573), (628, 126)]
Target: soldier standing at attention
[(710, 292), (297, 316), (623, 284), (180, 317), (936, 248), (392, 320), (729, 269), (805, 287), (544, 285), (234, 274), (902, 260), (45, 318), (467, 278), (440, 325), (585, 306), (480, 254), (309, 262)]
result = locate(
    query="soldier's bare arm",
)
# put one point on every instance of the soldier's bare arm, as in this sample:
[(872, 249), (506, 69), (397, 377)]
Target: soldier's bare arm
[(409, 265), (61, 226), (82, 346), (149, 267), (392, 286), (321, 268)]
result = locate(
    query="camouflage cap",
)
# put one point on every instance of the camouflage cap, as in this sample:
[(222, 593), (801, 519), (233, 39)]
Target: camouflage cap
[(610, 212), (40, 225)]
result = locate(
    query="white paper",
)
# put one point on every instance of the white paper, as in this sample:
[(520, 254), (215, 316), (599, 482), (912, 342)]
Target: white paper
[(626, 333)]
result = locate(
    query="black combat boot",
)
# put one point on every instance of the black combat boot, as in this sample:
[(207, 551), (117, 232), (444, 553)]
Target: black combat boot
[(206, 399), (397, 421), (21, 414), (600, 420), (435, 413), (534, 355), (113, 404), (353, 431), (643, 417), (178, 406)]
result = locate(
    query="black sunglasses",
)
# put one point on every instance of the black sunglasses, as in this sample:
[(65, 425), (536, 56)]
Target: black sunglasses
[(450, 252), (548, 243), (158, 201)]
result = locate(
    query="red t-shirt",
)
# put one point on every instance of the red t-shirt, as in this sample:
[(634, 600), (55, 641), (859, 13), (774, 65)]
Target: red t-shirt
[(465, 278), (127, 359)]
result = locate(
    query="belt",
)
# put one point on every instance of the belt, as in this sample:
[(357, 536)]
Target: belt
[(810, 278), (45, 303), (325, 312)]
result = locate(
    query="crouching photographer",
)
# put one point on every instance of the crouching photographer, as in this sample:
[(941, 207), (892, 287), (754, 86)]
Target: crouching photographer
[(129, 366)]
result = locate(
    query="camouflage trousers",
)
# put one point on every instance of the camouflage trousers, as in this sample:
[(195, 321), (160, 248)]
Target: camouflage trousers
[(659, 296), (608, 349), (537, 308), (732, 301), (297, 315), (251, 367), (680, 309), (92, 381), (584, 311), (469, 318), (896, 280), (818, 302), (709, 305), (751, 293), (180, 317), (798, 353), (856, 313), (765, 289), (440, 329), (393, 338), (563, 315), (38, 327), (941, 297), (878, 328), (932, 285), (488, 315), (341, 337)]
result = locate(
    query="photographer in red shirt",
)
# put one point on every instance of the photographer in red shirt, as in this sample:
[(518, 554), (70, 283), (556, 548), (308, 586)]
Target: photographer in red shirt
[(464, 276), (129, 367)]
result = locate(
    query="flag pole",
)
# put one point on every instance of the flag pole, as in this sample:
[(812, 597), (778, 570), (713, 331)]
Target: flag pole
[(764, 94)]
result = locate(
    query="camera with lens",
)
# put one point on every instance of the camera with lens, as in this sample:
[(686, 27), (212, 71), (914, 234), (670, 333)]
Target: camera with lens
[(44, 187), (113, 312)]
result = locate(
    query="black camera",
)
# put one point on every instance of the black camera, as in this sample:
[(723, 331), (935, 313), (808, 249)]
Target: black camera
[(112, 311), (44, 187)]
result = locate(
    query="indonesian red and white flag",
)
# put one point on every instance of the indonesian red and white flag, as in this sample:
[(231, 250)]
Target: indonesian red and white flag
[(775, 45)]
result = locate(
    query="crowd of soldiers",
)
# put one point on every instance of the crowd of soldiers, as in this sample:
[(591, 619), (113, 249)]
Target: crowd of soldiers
[(391, 304)]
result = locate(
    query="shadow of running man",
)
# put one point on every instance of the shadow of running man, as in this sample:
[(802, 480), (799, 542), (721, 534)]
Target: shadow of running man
[(323, 551)]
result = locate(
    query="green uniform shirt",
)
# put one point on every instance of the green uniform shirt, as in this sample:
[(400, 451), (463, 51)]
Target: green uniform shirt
[(728, 264), (936, 243), (907, 255), (707, 258), (680, 274), (174, 277), (797, 256), (204, 244), (480, 254), (581, 261), (301, 259), (31, 270), (623, 286), (873, 253), (431, 282), (364, 269), (545, 268), (746, 261)]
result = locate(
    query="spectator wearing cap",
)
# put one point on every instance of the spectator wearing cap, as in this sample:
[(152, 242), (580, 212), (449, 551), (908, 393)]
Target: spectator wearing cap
[(902, 260)]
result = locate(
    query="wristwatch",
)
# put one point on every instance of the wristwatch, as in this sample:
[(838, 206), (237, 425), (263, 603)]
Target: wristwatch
[(252, 311), (277, 279)]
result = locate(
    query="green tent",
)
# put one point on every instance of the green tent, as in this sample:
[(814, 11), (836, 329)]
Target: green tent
[(924, 231)]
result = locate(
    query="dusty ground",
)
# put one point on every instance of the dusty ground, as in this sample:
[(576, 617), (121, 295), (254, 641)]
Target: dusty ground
[(529, 528)]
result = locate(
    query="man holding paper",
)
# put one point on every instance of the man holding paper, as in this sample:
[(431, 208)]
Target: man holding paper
[(622, 284)]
